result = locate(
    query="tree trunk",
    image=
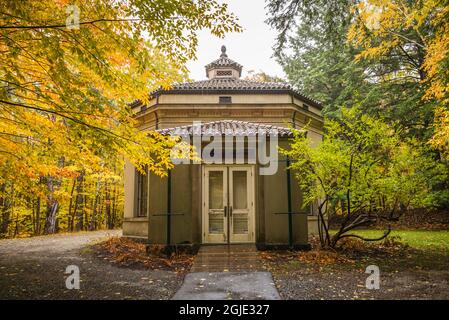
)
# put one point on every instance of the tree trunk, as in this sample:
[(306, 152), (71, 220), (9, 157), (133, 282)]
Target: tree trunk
[(78, 211), (30, 205), (93, 218), (108, 207), (52, 208), (50, 218), (71, 215), (5, 207), (100, 211), (86, 215), (37, 229), (114, 206)]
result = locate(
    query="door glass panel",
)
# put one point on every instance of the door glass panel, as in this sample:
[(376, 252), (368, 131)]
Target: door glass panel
[(216, 223), (240, 202), (216, 190), (240, 223), (240, 194)]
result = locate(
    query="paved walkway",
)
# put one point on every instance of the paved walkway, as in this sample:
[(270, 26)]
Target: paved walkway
[(223, 272)]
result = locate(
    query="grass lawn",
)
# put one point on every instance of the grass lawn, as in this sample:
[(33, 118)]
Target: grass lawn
[(419, 239), (428, 249)]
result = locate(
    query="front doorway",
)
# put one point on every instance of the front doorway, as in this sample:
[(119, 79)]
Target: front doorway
[(228, 204)]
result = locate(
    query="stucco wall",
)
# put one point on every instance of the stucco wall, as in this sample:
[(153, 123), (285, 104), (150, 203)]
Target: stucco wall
[(181, 206), (170, 110), (312, 222), (135, 227), (132, 226), (315, 138), (275, 203), (129, 181), (213, 98), (271, 199)]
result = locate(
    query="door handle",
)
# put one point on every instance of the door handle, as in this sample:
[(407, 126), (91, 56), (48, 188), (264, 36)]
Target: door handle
[(225, 211), (230, 211)]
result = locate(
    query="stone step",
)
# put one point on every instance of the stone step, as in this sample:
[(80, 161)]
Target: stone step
[(227, 258), (228, 248), (224, 253), (219, 269), (205, 261), (225, 268)]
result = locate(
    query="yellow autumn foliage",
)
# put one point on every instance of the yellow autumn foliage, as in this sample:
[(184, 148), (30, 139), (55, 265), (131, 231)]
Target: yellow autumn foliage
[(69, 71)]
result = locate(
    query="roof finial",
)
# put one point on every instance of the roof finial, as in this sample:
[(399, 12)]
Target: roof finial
[(223, 51)]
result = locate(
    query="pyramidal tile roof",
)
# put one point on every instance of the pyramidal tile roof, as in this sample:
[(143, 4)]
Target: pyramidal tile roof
[(224, 62), (229, 83), (228, 128)]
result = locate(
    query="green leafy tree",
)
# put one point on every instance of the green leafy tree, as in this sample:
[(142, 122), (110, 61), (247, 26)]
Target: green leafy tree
[(312, 49), (362, 173), (317, 57)]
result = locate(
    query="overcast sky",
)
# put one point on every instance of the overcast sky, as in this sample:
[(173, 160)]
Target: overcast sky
[(252, 48)]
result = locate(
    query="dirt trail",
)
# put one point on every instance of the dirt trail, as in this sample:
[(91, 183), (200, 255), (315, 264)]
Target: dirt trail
[(34, 268)]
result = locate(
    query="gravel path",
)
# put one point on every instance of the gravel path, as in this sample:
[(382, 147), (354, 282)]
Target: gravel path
[(341, 285), (34, 268)]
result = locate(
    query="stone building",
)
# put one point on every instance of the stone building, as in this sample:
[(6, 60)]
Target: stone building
[(239, 194)]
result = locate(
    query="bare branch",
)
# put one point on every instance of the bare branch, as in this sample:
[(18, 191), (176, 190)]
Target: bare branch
[(367, 239), (92, 22)]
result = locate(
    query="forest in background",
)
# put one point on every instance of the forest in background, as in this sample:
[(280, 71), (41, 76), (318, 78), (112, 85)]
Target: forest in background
[(88, 201)]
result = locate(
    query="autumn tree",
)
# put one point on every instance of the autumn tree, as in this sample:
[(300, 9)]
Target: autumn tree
[(413, 36), (384, 56), (69, 71), (440, 139), (262, 76), (415, 33), (313, 50)]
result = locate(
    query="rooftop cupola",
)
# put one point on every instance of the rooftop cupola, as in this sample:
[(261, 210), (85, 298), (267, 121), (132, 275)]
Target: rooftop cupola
[(223, 67)]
